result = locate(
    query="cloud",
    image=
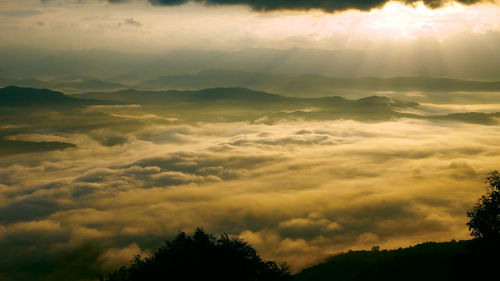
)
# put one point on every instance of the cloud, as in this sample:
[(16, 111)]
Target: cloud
[(308, 227), (115, 257), (325, 5), (21, 13), (296, 190)]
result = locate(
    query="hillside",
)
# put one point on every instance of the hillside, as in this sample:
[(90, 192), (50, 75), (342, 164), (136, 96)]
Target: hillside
[(463, 260)]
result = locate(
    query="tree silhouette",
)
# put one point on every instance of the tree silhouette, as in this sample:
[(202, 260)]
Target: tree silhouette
[(485, 215), (202, 257)]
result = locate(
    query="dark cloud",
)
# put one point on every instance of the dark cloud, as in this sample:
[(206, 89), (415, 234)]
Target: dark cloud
[(325, 5), (29, 209), (76, 263), (97, 175)]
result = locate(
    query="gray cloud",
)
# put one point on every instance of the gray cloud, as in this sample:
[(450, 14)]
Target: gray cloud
[(325, 5), (29, 209)]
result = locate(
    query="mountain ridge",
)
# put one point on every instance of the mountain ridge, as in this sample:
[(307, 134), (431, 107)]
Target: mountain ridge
[(436, 261), (14, 96), (312, 82)]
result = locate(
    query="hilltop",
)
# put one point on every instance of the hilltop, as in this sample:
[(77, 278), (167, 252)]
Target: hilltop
[(440, 261)]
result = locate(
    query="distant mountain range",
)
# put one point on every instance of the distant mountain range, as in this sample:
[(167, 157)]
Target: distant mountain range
[(66, 84), (426, 89), (237, 104), (237, 96), (134, 67), (311, 85)]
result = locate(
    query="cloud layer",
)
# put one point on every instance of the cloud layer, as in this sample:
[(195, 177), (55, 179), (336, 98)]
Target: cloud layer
[(297, 191)]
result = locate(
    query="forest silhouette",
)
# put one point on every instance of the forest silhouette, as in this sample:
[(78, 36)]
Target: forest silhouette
[(205, 257), (202, 257)]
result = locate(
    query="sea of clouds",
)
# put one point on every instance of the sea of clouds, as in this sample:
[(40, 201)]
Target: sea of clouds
[(296, 191)]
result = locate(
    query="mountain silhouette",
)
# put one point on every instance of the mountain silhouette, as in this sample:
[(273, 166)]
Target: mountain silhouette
[(239, 104), (13, 96), (67, 84), (235, 95), (305, 84), (436, 261)]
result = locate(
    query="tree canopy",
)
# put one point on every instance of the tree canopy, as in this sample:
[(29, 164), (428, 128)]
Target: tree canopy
[(485, 215), (202, 257)]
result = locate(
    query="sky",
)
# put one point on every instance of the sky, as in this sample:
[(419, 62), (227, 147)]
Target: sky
[(298, 183), (140, 26)]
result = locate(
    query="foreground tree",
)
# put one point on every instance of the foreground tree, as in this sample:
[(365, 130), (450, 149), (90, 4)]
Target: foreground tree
[(202, 257), (485, 215), (481, 255)]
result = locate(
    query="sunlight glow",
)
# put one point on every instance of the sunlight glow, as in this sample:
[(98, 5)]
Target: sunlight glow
[(396, 20), (102, 25)]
